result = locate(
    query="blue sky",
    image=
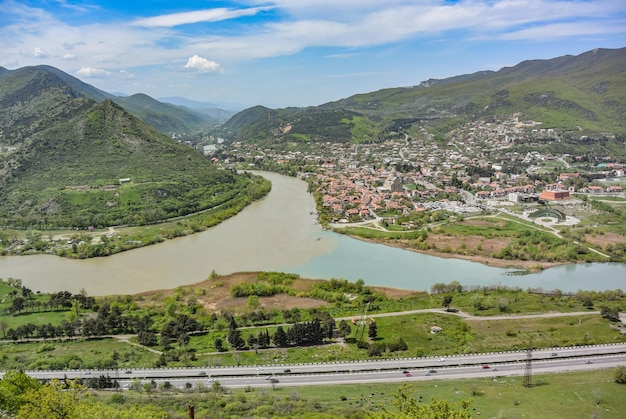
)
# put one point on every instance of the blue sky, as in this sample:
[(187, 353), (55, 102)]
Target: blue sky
[(294, 52)]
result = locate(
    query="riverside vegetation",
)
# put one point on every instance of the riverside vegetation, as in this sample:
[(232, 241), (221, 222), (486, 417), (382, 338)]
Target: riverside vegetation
[(74, 163), (276, 318)]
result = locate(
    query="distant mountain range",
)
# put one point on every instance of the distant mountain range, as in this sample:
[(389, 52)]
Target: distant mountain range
[(584, 94), (222, 110), (165, 117)]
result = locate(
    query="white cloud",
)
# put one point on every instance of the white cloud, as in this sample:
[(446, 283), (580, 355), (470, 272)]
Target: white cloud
[(203, 65), (563, 30), (39, 53), (126, 75), (151, 50), (209, 15), (93, 72)]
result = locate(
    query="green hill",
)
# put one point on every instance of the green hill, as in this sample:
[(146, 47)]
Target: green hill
[(165, 117), (69, 161), (584, 93)]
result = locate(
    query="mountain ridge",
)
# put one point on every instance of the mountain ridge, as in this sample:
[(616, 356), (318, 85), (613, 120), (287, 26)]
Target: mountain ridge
[(166, 118), (67, 160), (584, 93)]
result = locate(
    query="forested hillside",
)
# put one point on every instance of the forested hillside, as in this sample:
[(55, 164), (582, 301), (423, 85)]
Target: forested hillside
[(69, 161), (584, 94)]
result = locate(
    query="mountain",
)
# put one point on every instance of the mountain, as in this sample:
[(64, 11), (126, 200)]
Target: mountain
[(220, 112), (585, 94), (70, 160), (165, 117)]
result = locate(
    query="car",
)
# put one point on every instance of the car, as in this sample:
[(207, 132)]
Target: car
[(129, 372), (554, 354), (427, 373), (432, 371), (269, 377), (408, 374), (442, 359), (259, 368), (274, 380), (485, 367), (589, 361), (405, 371), (202, 374), (286, 370)]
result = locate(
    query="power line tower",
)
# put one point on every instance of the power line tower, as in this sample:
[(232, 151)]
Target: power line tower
[(363, 314), (528, 372)]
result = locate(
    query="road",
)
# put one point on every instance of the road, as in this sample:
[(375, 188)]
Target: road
[(451, 367)]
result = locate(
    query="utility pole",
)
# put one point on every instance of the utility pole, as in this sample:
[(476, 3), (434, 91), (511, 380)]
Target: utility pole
[(528, 372), (363, 314)]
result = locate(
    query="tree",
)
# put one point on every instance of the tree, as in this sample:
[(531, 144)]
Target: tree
[(620, 374), (219, 344), (3, 327), (52, 400), (447, 300), (235, 339), (373, 330), (610, 313), (147, 338), (407, 406), (13, 387), (17, 305), (254, 302), (280, 337), (253, 341), (263, 339), (344, 329)]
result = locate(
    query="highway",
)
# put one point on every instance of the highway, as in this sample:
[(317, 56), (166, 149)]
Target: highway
[(426, 368)]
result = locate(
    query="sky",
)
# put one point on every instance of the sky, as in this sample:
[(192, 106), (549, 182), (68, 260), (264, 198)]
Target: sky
[(284, 53)]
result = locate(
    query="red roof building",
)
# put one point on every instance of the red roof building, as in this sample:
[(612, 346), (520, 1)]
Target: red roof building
[(553, 195)]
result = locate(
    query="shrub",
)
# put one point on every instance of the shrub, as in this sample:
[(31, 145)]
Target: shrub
[(620, 374)]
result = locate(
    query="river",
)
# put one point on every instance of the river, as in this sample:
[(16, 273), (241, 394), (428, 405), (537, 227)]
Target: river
[(278, 233)]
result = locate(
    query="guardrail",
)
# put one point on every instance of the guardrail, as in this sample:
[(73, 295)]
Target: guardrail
[(364, 365)]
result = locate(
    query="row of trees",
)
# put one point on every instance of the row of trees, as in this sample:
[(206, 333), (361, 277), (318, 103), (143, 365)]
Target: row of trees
[(300, 334), (109, 320), (24, 300)]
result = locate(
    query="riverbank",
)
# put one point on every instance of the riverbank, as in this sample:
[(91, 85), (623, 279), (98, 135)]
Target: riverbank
[(492, 241), (527, 265)]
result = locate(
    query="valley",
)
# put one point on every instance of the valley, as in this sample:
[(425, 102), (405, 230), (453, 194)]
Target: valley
[(522, 170)]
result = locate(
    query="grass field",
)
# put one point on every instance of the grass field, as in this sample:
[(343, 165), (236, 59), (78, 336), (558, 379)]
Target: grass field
[(568, 395), (457, 336), (96, 353)]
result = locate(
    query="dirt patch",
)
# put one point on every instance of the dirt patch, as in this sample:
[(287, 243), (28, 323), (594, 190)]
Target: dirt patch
[(279, 302), (473, 248), (214, 294), (602, 240), (467, 245), (483, 223)]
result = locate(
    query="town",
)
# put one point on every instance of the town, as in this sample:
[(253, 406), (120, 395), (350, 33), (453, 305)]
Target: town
[(480, 166)]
